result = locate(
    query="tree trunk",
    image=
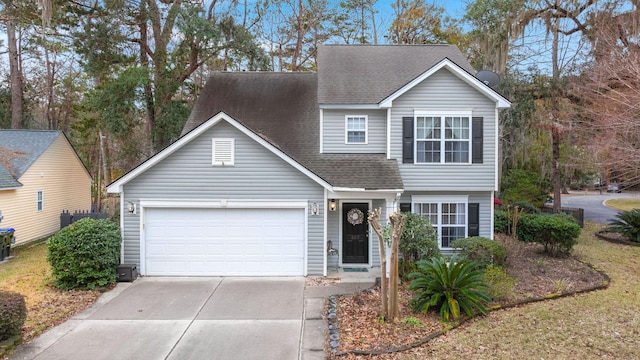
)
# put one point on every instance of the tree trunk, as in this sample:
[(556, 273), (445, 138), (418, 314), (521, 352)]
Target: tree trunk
[(374, 221), (557, 201), (397, 223), (17, 101)]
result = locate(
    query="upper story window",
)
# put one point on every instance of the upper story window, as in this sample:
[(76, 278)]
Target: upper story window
[(443, 139), (223, 152), (40, 200), (356, 129)]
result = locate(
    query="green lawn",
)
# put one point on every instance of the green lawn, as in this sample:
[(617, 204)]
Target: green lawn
[(623, 204), (600, 325), (27, 272)]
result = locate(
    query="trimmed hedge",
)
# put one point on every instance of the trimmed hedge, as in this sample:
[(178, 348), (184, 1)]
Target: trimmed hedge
[(13, 313), (482, 250), (558, 233), (85, 254)]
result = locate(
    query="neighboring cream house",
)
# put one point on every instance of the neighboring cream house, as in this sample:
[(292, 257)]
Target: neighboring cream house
[(40, 176)]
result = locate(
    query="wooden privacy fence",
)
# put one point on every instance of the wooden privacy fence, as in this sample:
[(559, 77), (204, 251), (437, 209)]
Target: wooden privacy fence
[(577, 213), (67, 218)]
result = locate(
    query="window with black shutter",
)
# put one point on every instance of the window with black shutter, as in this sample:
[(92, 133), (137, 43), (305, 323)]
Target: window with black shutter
[(407, 140), (477, 140), (474, 220)]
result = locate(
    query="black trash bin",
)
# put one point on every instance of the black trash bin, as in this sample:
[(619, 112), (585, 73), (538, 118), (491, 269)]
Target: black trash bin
[(6, 237)]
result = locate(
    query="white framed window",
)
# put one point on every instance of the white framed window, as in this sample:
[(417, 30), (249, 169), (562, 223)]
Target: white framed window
[(443, 138), (223, 152), (40, 200), (448, 215), (356, 129)]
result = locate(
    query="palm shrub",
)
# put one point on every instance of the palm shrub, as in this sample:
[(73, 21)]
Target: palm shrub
[(626, 223), (85, 254), (482, 250), (451, 285)]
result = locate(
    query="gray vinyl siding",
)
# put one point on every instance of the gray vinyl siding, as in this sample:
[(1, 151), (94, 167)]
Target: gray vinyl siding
[(334, 132), (444, 91), (375, 243), (257, 174), (483, 198)]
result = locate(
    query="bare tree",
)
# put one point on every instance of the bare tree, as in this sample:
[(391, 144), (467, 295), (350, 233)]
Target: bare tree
[(609, 94)]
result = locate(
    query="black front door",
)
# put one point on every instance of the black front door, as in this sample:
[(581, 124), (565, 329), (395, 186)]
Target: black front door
[(355, 233)]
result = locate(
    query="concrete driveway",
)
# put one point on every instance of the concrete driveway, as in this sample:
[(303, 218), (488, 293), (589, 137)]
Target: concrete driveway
[(190, 318)]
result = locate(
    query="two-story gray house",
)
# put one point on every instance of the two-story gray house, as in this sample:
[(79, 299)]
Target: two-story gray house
[(272, 166)]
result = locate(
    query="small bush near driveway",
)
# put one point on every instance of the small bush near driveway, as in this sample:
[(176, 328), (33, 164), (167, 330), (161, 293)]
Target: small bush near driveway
[(85, 254), (13, 313)]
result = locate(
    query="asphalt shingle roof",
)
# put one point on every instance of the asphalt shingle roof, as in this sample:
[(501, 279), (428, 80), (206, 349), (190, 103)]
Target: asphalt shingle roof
[(19, 149), (367, 74), (283, 109)]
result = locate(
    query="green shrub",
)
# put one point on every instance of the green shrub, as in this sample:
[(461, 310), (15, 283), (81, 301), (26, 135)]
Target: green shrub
[(499, 283), (13, 313), (85, 254), (626, 223), (452, 286), (525, 206), (500, 221), (558, 233), (419, 239), (482, 250), (405, 268), (520, 185)]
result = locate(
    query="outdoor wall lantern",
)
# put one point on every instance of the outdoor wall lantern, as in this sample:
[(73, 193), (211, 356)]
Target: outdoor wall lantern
[(332, 205), (314, 208), (131, 207)]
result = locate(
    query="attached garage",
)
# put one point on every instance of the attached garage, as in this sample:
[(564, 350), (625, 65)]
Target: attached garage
[(223, 241)]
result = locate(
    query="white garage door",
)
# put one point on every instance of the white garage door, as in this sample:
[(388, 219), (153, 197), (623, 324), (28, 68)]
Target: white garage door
[(224, 242)]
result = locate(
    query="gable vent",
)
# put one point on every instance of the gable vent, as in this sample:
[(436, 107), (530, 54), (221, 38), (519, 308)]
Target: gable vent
[(223, 151)]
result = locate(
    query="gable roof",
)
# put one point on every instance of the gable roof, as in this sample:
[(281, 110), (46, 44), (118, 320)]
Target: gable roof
[(368, 74), (7, 181), (282, 108), (19, 149)]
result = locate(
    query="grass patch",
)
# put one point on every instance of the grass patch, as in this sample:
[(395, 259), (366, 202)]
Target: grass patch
[(29, 273), (623, 204), (597, 325)]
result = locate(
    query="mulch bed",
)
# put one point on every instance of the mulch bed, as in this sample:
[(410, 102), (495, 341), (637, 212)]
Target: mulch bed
[(538, 277)]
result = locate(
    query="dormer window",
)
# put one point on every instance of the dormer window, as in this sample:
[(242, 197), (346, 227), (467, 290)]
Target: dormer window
[(223, 152), (356, 129)]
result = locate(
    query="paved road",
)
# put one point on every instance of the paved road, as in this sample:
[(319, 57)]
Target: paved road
[(593, 204)]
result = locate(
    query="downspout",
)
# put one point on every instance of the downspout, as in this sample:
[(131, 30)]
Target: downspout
[(388, 133), (324, 233), (322, 134), (122, 226)]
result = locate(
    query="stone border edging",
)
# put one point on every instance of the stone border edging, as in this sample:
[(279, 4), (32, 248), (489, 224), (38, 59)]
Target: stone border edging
[(601, 235), (333, 318)]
